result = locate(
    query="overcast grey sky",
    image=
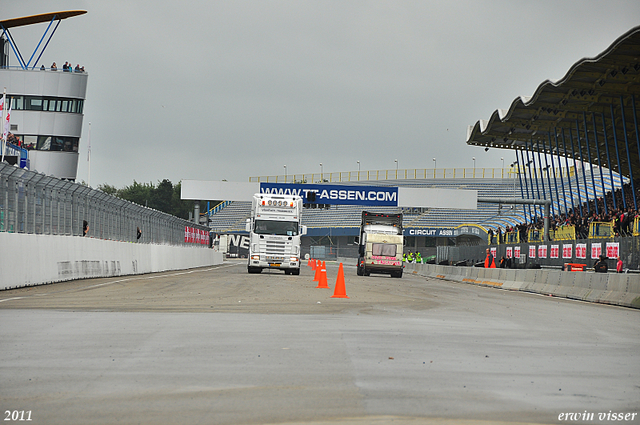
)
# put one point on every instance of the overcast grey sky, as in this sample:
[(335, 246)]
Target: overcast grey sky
[(214, 90)]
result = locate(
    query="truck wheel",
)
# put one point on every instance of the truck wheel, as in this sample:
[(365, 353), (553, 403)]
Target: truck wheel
[(254, 270), (366, 273), (359, 271), (397, 274), (295, 272)]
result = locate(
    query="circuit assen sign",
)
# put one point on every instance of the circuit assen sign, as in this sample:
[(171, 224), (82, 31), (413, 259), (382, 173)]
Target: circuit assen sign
[(337, 194), (439, 232)]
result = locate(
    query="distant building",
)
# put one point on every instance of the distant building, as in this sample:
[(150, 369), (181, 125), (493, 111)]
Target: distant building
[(46, 105)]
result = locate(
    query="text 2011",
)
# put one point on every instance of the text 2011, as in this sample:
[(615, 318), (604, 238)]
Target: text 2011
[(17, 415)]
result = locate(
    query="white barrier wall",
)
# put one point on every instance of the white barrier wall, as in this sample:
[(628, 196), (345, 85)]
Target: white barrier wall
[(29, 259), (608, 288)]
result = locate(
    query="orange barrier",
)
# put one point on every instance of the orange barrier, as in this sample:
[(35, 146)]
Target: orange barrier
[(573, 267), (340, 290)]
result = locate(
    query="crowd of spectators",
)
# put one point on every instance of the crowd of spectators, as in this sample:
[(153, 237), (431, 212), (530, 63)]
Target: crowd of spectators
[(621, 217), (67, 67)]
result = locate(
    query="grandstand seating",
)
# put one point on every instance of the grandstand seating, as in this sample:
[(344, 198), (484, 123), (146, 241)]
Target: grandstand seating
[(232, 217)]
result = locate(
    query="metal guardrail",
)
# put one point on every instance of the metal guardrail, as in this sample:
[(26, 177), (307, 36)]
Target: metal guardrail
[(601, 230), (512, 237), (565, 233), (406, 174), (31, 202)]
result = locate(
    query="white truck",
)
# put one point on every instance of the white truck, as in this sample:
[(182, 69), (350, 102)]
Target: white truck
[(274, 231), (381, 244)]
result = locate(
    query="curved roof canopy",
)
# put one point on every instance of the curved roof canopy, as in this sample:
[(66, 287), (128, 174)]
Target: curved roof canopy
[(44, 17), (606, 87)]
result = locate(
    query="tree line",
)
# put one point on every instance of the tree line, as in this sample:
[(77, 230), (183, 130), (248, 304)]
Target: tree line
[(163, 196)]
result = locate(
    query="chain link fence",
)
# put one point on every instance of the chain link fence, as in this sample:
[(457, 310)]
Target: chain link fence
[(31, 202)]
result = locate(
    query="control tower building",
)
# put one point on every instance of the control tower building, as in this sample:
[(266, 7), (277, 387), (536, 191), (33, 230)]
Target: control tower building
[(46, 103)]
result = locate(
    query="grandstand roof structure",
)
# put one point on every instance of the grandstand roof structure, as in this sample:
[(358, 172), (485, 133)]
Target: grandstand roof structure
[(597, 95)]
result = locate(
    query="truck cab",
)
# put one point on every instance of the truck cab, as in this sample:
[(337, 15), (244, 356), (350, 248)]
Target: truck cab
[(380, 243), (275, 231)]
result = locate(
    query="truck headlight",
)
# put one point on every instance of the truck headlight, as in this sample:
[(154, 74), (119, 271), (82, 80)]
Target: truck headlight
[(255, 257), (294, 259)]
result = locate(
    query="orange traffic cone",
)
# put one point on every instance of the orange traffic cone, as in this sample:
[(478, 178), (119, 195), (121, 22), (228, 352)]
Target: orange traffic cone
[(322, 282), (340, 291), (313, 264), (309, 262), (316, 277)]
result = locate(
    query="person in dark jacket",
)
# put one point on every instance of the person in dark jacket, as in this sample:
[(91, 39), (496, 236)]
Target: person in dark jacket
[(601, 265)]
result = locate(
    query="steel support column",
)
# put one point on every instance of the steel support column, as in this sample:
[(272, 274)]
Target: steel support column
[(584, 174), (564, 195), (533, 194), (525, 182), (593, 180), (573, 155), (544, 193), (626, 142), (606, 146), (604, 191), (546, 163), (615, 141), (635, 122)]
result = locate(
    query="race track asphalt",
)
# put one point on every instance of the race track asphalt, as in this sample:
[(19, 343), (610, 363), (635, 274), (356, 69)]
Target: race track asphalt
[(217, 345)]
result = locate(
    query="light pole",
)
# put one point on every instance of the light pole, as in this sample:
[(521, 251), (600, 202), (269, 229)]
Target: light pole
[(474, 167), (358, 167), (396, 161), (321, 172), (285, 173), (502, 159), (435, 165)]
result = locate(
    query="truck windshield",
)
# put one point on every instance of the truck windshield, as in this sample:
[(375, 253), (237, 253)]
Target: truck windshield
[(384, 249), (269, 227)]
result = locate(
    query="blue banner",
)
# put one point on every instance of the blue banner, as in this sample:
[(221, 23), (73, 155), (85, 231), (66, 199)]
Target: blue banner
[(337, 194)]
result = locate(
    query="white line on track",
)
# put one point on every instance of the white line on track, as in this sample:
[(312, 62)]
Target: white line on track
[(130, 279)]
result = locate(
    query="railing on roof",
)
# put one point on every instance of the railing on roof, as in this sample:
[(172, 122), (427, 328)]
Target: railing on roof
[(217, 208), (405, 174)]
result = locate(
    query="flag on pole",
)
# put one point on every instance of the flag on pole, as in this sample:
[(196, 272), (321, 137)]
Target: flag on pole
[(6, 123), (89, 147), (4, 139)]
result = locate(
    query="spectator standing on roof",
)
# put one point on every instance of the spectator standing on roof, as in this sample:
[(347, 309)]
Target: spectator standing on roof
[(54, 67)]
